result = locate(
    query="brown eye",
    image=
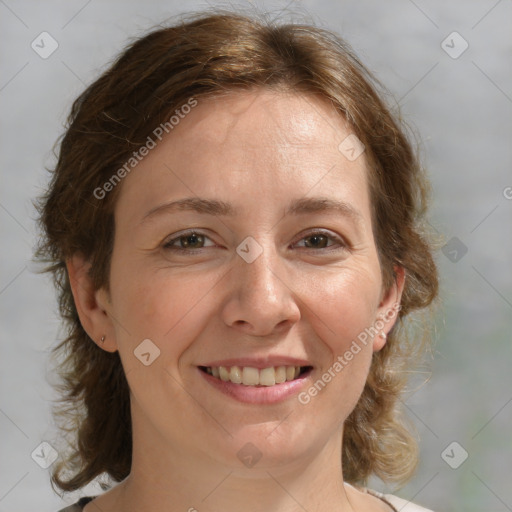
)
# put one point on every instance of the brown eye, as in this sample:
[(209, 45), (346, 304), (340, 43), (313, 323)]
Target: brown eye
[(316, 241), (188, 241), (321, 240), (192, 241)]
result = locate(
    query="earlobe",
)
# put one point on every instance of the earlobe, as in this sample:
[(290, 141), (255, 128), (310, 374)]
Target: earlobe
[(91, 304), (389, 309)]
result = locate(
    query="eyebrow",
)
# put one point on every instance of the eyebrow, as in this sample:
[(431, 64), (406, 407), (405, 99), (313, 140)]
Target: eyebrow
[(196, 204), (324, 204), (214, 207)]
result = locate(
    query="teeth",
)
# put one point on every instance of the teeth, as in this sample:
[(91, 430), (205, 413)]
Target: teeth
[(280, 374), (267, 377), (249, 376), (235, 375)]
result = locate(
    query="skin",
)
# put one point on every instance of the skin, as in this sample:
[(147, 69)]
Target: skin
[(258, 151)]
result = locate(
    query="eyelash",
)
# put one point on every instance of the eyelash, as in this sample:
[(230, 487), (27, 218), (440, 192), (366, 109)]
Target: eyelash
[(168, 245)]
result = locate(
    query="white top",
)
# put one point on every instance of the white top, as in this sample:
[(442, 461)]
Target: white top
[(396, 503), (403, 505)]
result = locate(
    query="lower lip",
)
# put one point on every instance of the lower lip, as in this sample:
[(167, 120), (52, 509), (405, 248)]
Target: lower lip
[(258, 394)]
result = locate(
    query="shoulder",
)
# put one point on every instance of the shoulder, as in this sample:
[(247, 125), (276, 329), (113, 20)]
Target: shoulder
[(399, 503), (393, 502), (79, 505)]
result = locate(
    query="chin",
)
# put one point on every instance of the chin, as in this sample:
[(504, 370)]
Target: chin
[(266, 446)]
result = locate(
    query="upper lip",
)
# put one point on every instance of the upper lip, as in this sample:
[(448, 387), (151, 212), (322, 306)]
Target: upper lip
[(259, 363)]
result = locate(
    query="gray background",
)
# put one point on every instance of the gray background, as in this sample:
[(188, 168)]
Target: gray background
[(461, 107)]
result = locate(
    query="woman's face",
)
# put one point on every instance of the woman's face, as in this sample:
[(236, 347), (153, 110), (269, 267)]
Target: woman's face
[(243, 249)]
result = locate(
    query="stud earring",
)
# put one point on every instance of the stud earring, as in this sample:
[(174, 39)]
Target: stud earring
[(102, 339), (383, 335)]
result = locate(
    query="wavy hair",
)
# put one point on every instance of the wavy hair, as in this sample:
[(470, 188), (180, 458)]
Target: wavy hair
[(203, 56)]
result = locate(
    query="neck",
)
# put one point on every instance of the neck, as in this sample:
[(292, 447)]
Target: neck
[(168, 479)]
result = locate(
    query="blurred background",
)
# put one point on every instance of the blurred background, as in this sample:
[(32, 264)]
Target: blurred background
[(449, 66)]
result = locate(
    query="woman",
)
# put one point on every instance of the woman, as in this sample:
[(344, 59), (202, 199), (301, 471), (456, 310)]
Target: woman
[(233, 225)]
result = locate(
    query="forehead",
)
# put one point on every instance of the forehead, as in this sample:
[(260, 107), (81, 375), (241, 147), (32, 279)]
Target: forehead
[(273, 142), (269, 122)]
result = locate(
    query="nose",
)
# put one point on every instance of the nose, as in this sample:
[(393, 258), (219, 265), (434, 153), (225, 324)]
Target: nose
[(260, 301)]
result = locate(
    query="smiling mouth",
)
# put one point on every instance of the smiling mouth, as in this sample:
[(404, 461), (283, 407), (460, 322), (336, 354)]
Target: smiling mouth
[(249, 376)]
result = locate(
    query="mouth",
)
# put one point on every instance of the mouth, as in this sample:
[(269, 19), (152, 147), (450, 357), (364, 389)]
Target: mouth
[(255, 377)]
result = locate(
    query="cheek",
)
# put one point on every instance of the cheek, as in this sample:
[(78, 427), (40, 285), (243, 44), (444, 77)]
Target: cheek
[(345, 305), (168, 308), (343, 310)]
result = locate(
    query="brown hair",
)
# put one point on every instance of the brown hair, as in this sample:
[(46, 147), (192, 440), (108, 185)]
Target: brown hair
[(207, 55)]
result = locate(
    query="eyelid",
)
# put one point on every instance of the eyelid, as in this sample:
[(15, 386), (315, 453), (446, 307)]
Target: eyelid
[(166, 244), (341, 241)]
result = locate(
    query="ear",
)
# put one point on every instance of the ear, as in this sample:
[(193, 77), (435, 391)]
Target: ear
[(92, 305), (389, 307)]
